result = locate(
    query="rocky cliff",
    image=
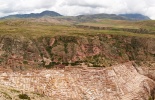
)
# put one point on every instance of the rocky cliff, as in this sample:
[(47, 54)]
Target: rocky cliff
[(19, 53)]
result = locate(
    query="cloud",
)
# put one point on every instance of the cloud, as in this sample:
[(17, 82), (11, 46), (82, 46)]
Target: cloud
[(77, 7)]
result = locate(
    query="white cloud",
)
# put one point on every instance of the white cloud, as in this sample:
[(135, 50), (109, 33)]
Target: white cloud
[(77, 7)]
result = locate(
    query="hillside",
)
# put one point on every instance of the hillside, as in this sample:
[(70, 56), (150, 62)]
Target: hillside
[(146, 27), (49, 44), (76, 60)]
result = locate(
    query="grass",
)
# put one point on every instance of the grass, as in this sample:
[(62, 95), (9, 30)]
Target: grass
[(149, 25), (122, 23), (25, 28)]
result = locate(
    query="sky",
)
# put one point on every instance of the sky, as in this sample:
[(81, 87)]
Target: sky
[(78, 7)]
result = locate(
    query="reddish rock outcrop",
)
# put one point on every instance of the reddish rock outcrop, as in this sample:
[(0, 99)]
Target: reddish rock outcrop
[(99, 50)]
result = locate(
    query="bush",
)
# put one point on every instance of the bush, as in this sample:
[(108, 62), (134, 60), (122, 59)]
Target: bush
[(25, 62), (24, 96)]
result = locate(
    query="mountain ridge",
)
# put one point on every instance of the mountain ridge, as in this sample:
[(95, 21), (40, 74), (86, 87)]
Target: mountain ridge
[(34, 15), (100, 16), (135, 16), (82, 17)]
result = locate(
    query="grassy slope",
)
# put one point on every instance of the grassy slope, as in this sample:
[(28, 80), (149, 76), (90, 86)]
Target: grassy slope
[(27, 28), (149, 25), (122, 23)]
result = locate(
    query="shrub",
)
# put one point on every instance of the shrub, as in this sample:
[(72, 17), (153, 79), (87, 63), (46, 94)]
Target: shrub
[(24, 96), (25, 62)]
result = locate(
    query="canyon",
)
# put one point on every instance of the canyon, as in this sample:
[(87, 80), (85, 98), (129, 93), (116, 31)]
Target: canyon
[(42, 60)]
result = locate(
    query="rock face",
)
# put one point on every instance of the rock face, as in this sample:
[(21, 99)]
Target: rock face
[(96, 50), (119, 82)]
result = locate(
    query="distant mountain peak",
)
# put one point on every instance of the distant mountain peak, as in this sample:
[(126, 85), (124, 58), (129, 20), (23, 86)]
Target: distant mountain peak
[(35, 15), (47, 12), (135, 16)]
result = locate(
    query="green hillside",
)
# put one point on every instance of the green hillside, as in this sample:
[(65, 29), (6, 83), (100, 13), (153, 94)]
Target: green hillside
[(27, 27)]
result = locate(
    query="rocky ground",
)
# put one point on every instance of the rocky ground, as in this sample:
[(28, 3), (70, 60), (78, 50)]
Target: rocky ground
[(120, 82)]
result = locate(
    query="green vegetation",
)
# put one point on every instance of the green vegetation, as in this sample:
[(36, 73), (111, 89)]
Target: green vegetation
[(25, 62), (98, 61), (150, 98), (123, 25), (29, 29), (24, 96)]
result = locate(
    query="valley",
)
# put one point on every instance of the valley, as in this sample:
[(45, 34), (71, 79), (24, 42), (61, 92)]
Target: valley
[(77, 58)]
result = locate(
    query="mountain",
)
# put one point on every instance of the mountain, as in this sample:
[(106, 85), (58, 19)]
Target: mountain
[(135, 16), (112, 16), (34, 15), (99, 16), (81, 18)]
